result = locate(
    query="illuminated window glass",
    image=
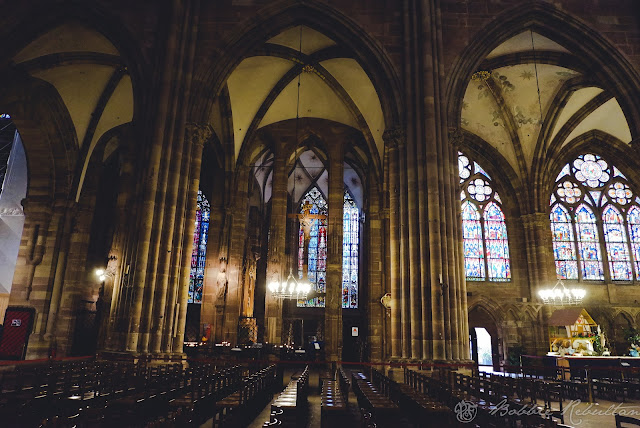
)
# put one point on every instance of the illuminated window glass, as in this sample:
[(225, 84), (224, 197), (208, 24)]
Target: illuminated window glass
[(350, 247), (592, 210), (199, 249), (564, 247), (316, 248), (484, 231)]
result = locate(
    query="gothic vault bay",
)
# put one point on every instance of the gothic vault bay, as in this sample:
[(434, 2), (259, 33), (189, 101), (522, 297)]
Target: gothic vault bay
[(425, 168)]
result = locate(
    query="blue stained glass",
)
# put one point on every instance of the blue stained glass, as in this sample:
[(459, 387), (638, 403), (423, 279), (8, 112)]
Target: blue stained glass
[(316, 248), (633, 218), (563, 243), (478, 169), (199, 250), (588, 244), (616, 239), (495, 234), (484, 230), (350, 247), (472, 242)]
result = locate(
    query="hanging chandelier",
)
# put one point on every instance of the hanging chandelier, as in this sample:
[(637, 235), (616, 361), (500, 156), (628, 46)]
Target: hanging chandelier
[(560, 295), (290, 288)]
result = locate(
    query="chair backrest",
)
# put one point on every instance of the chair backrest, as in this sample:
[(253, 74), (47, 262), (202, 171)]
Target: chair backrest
[(627, 420)]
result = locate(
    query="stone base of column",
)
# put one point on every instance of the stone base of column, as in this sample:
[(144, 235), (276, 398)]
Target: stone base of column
[(37, 348), (247, 330)]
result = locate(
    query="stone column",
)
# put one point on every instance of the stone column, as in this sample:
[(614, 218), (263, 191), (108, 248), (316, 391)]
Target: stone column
[(180, 290), (59, 277), (393, 138), (153, 179), (238, 228), (373, 242), (333, 299), (275, 256), (539, 251)]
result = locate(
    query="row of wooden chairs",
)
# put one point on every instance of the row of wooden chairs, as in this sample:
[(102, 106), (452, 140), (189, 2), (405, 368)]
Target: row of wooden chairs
[(106, 393), (241, 403), (290, 409), (66, 391), (333, 406), (422, 410), (178, 396), (382, 410), (488, 405)]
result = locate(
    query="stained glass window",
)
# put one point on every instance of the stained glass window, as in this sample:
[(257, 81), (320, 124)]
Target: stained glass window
[(473, 246), (316, 248), (350, 247), (593, 199), (588, 243), (563, 243), (486, 246), (495, 235), (634, 235), (617, 248), (199, 249)]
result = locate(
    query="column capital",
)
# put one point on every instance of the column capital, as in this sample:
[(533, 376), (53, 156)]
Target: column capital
[(394, 137), (198, 133)]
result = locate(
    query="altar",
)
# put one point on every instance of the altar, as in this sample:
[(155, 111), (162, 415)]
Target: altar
[(572, 331)]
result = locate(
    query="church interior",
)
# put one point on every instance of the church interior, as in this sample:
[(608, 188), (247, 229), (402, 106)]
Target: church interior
[(319, 212)]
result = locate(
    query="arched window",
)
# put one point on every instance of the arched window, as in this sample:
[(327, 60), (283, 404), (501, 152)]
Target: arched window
[(350, 247), (484, 231), (316, 248), (592, 208), (199, 249)]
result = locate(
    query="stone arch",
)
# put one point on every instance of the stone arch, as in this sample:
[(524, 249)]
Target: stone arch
[(604, 59), (209, 78), (496, 165), (33, 22), (47, 133), (609, 147), (620, 321), (487, 314)]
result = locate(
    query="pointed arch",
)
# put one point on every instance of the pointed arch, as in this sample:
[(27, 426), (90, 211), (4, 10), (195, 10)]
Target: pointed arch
[(321, 17), (603, 59), (34, 21)]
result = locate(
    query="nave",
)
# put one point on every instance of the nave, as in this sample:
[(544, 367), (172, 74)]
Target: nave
[(205, 393)]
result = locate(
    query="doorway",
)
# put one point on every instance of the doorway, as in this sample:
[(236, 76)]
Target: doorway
[(484, 340)]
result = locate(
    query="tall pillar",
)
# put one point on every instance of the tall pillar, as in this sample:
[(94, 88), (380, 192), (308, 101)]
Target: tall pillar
[(539, 250), (333, 299), (275, 255), (393, 138), (180, 290), (427, 282), (374, 240), (151, 215)]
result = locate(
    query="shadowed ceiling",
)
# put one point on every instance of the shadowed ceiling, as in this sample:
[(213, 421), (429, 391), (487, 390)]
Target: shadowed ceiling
[(90, 76), (536, 84), (263, 89)]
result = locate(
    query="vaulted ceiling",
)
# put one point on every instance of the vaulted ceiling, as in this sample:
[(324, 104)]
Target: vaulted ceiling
[(263, 89), (89, 74), (537, 96)]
